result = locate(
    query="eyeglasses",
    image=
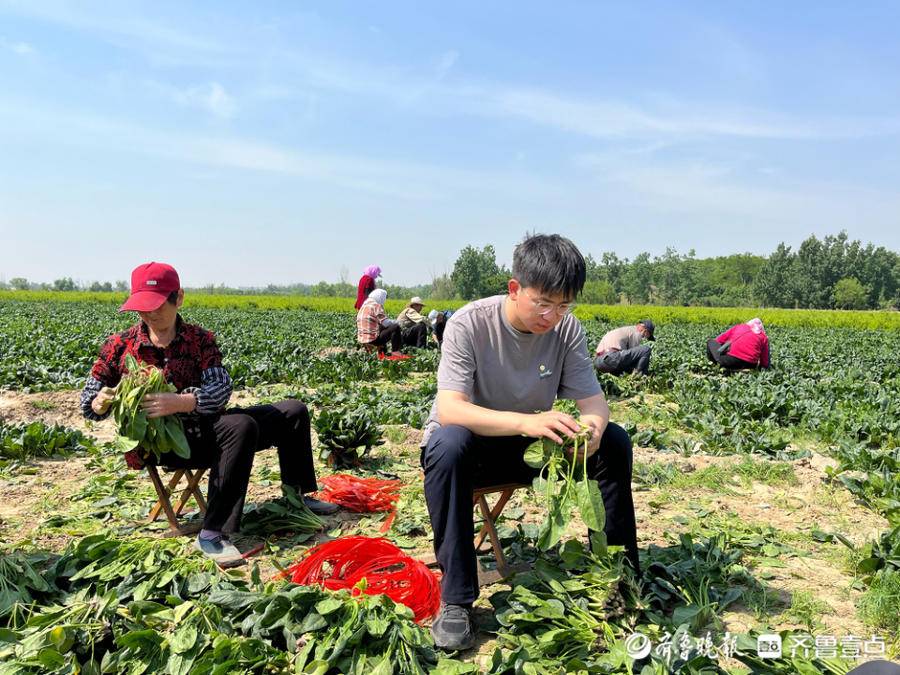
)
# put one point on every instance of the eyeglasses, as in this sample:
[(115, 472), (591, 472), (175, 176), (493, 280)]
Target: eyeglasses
[(544, 308)]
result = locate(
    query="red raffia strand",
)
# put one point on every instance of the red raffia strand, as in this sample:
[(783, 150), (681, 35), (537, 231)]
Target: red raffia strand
[(393, 357), (362, 495), (343, 563)]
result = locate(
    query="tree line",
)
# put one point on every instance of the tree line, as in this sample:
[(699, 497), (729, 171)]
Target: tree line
[(829, 273)]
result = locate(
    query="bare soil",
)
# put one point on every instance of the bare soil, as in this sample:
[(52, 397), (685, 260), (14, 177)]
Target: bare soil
[(46, 489)]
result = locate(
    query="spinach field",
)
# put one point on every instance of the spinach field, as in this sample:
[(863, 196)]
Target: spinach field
[(768, 504)]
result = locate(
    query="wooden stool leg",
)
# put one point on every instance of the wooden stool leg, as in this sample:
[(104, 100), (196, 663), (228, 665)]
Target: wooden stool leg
[(495, 512), (192, 490), (195, 490), (492, 533), (163, 497), (185, 493), (157, 508)]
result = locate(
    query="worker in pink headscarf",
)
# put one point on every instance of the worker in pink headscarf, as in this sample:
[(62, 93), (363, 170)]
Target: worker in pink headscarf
[(366, 284), (743, 346)]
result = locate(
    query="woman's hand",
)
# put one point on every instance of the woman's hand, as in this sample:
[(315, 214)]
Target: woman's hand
[(160, 405), (103, 400)]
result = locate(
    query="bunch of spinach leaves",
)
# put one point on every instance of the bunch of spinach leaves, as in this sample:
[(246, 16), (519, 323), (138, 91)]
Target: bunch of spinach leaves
[(564, 484)]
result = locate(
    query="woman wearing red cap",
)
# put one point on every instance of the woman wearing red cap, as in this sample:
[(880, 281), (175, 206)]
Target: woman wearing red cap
[(225, 440)]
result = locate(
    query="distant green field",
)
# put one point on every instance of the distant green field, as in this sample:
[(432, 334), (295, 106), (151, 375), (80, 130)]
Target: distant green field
[(613, 313)]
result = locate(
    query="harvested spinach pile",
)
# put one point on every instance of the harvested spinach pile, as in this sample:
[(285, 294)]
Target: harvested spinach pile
[(346, 435), (566, 613), (143, 606), (331, 631), (158, 435), (564, 485), (287, 513), (386, 405), (21, 581)]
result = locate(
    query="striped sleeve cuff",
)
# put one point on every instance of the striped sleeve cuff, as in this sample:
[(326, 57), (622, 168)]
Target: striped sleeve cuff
[(214, 391), (88, 394)]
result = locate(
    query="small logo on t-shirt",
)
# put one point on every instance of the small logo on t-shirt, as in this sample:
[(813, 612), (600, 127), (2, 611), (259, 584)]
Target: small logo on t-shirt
[(543, 372)]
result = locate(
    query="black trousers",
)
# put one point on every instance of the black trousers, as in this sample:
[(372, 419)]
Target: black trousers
[(390, 334), (634, 360), (456, 461), (725, 360), (439, 327), (227, 444), (415, 336)]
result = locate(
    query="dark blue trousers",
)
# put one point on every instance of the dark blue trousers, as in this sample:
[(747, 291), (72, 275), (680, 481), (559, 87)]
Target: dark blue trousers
[(456, 461)]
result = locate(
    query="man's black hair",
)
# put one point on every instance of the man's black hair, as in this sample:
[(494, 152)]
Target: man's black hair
[(550, 263), (173, 297)]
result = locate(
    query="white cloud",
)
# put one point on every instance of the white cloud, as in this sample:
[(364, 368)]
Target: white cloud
[(115, 24), (108, 19), (593, 116), (445, 64), (670, 119), (415, 181), (708, 193), (210, 97), (213, 98), (653, 118), (18, 47)]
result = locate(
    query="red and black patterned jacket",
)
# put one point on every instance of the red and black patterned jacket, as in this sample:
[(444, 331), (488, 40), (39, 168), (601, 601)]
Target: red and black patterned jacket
[(192, 362)]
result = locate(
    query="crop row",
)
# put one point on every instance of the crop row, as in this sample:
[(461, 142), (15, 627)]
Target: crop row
[(812, 318)]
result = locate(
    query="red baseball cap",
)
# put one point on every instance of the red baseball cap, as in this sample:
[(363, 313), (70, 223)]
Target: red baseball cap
[(151, 284)]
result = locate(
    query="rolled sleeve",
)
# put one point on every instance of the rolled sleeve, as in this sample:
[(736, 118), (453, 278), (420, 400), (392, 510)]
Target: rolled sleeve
[(104, 373), (91, 388), (214, 391)]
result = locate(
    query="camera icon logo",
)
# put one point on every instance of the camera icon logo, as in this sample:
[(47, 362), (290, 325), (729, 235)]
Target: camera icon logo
[(768, 646)]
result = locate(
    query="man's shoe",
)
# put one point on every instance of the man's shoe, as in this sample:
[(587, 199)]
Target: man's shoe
[(452, 629), (319, 507), (221, 551)]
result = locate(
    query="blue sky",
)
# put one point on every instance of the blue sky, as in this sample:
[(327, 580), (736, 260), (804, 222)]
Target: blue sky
[(249, 143)]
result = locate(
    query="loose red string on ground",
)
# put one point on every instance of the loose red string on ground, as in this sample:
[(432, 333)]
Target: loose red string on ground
[(362, 495), (344, 562), (392, 357)]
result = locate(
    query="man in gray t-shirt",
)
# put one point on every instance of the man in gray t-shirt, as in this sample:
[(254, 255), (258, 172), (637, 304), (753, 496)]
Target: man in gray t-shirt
[(620, 351), (504, 361)]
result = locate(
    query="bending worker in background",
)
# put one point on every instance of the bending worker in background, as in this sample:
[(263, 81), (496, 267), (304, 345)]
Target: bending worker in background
[(741, 347), (620, 351)]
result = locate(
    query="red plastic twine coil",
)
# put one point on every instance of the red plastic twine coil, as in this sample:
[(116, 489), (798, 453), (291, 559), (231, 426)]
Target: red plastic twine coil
[(344, 562), (362, 495)]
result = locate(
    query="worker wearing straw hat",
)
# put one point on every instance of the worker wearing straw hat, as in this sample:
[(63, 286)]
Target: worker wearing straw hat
[(413, 326)]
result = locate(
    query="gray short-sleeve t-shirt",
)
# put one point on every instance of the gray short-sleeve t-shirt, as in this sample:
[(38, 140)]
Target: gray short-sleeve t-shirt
[(501, 368)]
